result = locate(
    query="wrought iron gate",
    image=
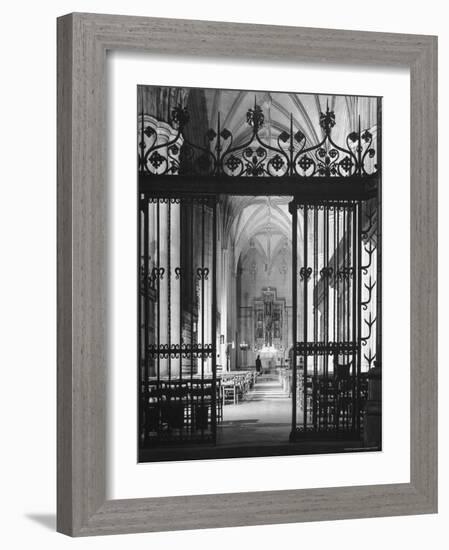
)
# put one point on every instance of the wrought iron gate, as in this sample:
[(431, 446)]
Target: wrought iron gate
[(334, 286), (178, 385), (336, 269)]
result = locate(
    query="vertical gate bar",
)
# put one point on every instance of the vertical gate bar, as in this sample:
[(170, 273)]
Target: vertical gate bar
[(355, 379), (179, 262), (314, 297), (348, 307), (181, 285), (341, 387), (315, 308), (337, 316), (140, 298), (378, 313), (158, 314), (348, 415), (344, 236), (342, 278), (214, 320), (305, 318), (325, 280), (348, 278), (359, 297), (334, 275), (294, 212), (141, 289), (146, 315), (291, 147), (202, 314), (169, 285), (192, 298)]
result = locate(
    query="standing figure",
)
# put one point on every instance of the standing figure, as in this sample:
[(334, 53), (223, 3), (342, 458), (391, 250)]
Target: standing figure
[(258, 365)]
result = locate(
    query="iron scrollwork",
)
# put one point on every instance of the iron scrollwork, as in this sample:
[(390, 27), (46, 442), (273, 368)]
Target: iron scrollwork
[(180, 350), (305, 273), (368, 297), (326, 348), (327, 273), (202, 273), (289, 154)]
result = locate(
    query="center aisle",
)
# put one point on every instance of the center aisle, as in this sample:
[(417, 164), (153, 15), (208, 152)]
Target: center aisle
[(263, 417)]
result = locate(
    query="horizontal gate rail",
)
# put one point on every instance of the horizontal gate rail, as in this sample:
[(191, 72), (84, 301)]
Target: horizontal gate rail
[(183, 350), (326, 348), (356, 187)]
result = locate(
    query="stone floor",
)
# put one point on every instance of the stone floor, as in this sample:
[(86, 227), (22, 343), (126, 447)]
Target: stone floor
[(263, 417)]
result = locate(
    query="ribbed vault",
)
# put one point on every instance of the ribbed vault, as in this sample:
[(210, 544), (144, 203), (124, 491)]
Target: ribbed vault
[(277, 107)]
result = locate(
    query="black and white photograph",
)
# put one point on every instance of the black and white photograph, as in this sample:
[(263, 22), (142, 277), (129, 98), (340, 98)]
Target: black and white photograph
[(259, 270), (221, 308)]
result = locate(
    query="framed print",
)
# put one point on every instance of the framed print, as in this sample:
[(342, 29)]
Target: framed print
[(222, 259), (270, 230)]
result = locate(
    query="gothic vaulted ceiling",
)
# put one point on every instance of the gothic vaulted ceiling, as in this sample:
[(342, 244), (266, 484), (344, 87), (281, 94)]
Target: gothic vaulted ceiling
[(261, 222), (264, 222)]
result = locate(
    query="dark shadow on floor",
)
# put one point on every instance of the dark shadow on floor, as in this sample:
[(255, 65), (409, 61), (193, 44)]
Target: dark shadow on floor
[(46, 520), (245, 421)]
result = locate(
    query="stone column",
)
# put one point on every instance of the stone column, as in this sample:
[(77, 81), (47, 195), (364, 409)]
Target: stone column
[(224, 306)]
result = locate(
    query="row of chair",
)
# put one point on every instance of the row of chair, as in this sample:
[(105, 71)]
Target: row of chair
[(236, 384), (180, 408), (184, 406), (332, 402)]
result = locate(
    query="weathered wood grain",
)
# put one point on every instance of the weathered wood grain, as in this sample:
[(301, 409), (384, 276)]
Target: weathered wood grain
[(83, 40)]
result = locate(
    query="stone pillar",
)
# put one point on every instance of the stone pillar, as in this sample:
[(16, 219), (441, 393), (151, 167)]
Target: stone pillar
[(223, 298), (232, 289), (372, 421)]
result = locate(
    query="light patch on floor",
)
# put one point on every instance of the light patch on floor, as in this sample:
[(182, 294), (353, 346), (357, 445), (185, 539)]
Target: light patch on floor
[(263, 417)]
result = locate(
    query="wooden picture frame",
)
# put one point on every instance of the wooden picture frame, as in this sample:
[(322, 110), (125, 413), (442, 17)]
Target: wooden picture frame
[(83, 40)]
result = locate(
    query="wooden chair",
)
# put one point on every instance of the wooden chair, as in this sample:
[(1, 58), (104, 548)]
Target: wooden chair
[(230, 392)]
